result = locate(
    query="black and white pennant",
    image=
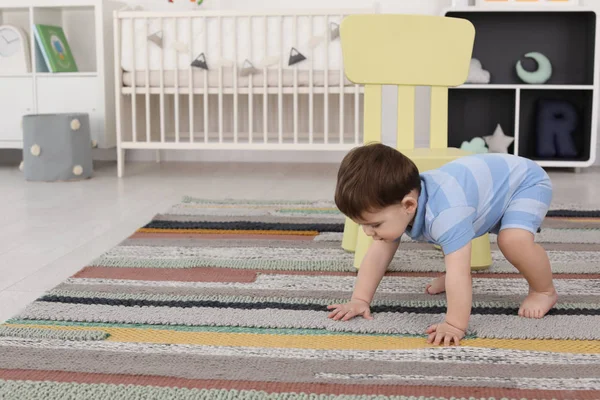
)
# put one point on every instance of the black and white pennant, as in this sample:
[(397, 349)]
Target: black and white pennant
[(200, 62), (248, 68), (295, 57), (334, 31), (157, 38)]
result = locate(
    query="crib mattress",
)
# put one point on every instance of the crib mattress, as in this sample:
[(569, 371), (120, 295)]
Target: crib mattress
[(227, 79)]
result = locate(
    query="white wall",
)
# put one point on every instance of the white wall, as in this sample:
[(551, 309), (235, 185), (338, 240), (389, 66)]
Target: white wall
[(433, 7)]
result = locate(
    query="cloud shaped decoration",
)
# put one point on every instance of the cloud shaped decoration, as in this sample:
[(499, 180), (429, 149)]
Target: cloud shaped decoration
[(476, 145), (476, 73)]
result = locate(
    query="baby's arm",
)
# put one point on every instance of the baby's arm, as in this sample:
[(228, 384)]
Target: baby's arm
[(459, 295), (371, 270)]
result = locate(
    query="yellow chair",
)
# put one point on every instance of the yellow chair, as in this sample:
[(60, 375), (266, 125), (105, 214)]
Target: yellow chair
[(408, 51)]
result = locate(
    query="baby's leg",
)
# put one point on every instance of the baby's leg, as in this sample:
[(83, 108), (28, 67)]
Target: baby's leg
[(531, 260)]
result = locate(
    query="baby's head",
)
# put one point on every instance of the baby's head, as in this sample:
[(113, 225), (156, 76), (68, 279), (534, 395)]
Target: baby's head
[(378, 187)]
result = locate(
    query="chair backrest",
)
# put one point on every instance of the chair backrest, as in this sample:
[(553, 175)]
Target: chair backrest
[(407, 51)]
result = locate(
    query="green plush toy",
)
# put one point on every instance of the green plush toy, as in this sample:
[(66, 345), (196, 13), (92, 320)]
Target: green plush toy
[(476, 145)]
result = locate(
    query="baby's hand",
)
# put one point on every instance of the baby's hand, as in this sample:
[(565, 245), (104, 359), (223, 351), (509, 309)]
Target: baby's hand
[(445, 332), (350, 310)]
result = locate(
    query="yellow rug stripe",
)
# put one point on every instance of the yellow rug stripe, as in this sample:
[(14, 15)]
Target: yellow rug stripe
[(225, 231), (322, 342)]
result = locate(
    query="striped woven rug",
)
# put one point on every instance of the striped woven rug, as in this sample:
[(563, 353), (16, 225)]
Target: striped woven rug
[(227, 300)]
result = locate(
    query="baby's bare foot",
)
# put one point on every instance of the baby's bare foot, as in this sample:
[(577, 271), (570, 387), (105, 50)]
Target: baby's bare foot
[(437, 286), (537, 304)]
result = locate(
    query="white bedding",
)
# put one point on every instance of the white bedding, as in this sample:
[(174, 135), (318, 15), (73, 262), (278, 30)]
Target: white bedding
[(227, 79)]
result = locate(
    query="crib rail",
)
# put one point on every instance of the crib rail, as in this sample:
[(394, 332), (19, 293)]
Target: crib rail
[(249, 97)]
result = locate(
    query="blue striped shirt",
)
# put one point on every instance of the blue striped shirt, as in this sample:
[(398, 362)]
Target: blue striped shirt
[(469, 197)]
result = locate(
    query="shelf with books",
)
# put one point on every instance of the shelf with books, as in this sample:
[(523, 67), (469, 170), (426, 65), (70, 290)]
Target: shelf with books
[(68, 34)]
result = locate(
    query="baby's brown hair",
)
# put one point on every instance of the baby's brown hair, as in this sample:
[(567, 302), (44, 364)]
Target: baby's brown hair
[(372, 177)]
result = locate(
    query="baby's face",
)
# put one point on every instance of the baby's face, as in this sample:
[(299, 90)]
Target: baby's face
[(388, 223)]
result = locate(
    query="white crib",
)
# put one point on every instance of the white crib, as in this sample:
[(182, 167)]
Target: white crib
[(163, 102)]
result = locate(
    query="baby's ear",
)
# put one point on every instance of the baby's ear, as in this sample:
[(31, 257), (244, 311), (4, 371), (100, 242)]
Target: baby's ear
[(409, 203)]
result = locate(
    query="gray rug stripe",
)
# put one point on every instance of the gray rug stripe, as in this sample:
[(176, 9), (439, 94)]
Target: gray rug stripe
[(306, 294), (438, 380), (389, 284), (329, 203), (257, 368), (314, 244), (63, 334), (578, 327), (309, 260), (30, 390), (553, 235), (433, 355)]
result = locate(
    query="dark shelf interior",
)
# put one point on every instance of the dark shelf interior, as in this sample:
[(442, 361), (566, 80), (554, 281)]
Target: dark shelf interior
[(581, 99), (477, 112), (503, 37)]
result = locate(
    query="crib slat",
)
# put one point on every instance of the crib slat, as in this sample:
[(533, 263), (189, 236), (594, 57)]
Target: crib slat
[(356, 113), (148, 123), (342, 95), (117, 34), (220, 55), (133, 95), (280, 82), (162, 89), (250, 83), (205, 28), (176, 99), (235, 83), (265, 76), (191, 79), (326, 84), (311, 93), (295, 28)]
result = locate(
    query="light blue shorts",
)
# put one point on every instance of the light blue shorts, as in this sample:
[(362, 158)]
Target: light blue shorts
[(528, 207)]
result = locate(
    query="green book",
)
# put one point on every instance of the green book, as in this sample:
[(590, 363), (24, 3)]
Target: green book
[(55, 48)]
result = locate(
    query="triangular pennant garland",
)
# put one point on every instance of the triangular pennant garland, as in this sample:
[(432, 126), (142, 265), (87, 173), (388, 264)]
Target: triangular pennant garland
[(200, 62), (295, 57), (156, 38), (334, 30), (248, 69)]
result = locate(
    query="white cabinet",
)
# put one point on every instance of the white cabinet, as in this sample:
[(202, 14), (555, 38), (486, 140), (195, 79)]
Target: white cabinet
[(16, 99), (88, 27)]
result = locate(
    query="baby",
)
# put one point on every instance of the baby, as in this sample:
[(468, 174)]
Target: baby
[(382, 190)]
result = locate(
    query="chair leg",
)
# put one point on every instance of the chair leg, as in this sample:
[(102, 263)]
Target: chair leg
[(481, 253), (363, 243), (350, 235)]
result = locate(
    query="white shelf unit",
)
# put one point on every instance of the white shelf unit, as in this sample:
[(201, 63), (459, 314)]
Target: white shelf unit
[(568, 36), (88, 28)]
